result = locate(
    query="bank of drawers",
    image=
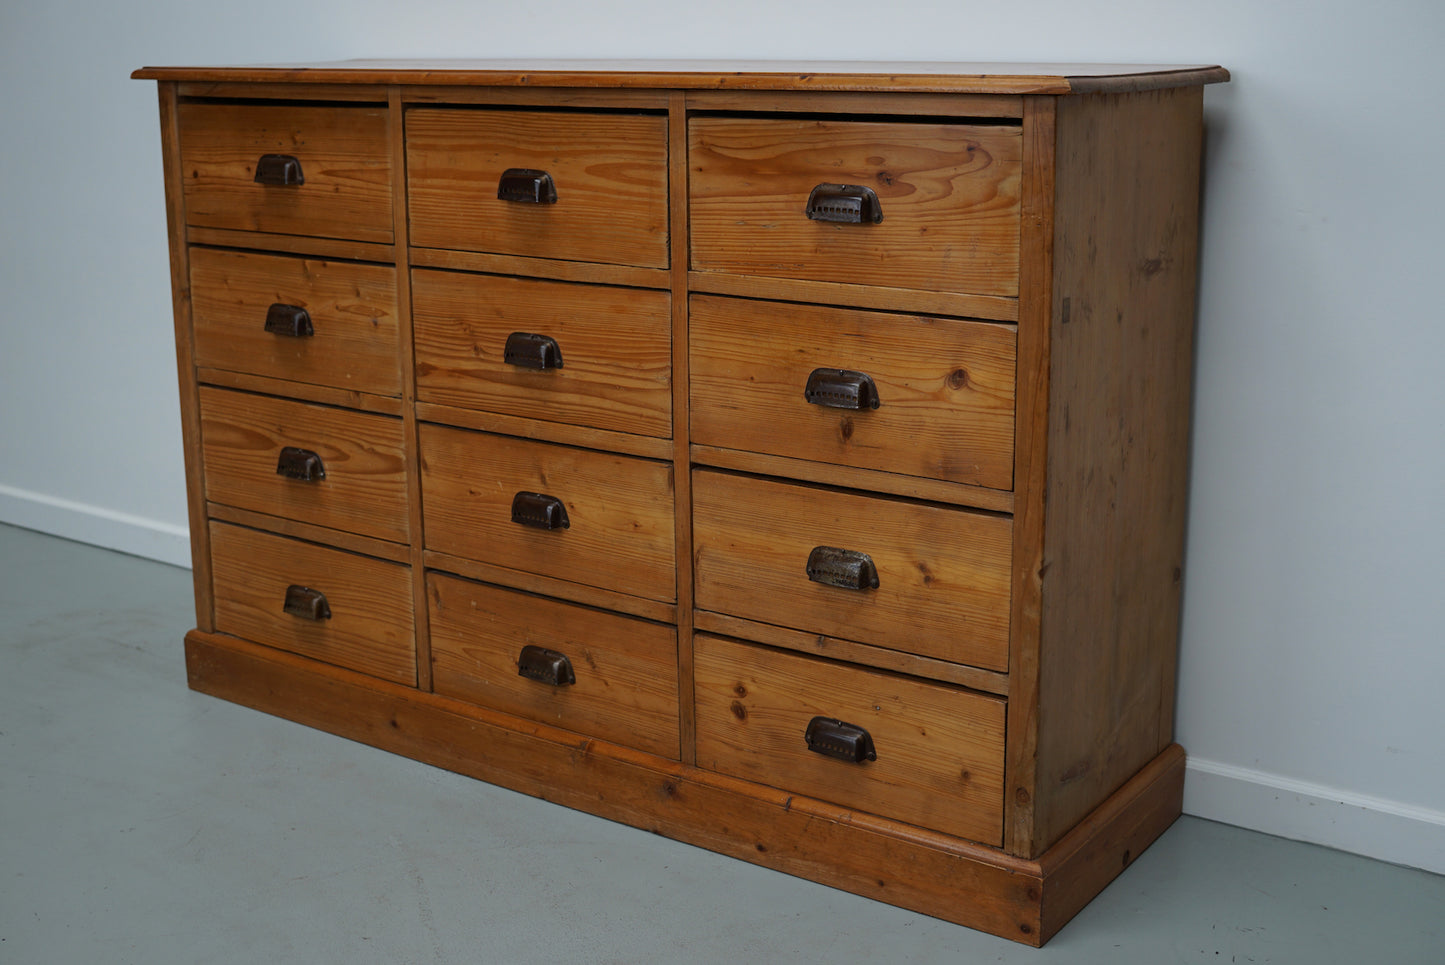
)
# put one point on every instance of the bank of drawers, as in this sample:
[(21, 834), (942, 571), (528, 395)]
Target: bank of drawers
[(528, 384)]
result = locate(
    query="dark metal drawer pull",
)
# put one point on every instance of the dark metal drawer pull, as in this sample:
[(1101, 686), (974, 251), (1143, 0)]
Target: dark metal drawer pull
[(529, 351), (845, 569), (841, 389), (546, 666), (527, 186), (302, 464), (540, 511), (279, 169), (834, 738), (290, 320), (306, 603), (844, 204)]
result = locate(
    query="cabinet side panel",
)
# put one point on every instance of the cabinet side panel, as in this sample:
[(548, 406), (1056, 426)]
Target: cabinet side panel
[(1036, 240), (186, 356), (1125, 247)]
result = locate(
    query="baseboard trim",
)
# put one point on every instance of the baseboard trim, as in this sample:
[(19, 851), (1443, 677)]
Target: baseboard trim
[(96, 525), (1303, 811)]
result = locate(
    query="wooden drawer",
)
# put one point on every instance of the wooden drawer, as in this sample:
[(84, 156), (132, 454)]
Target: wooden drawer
[(939, 750), (619, 533), (615, 346), (608, 171), (624, 670), (944, 388), (948, 193), (343, 155), (363, 489), (370, 628), (943, 573), (351, 308)]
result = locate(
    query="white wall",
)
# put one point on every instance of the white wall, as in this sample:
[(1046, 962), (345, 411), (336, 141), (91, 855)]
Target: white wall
[(1312, 650)]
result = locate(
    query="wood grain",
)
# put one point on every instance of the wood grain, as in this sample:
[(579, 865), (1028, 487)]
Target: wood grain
[(364, 490), (591, 596), (831, 474), (812, 75), (939, 750), (610, 172), (626, 669), (943, 573), (370, 629), (615, 343), (1126, 235), (343, 155), (184, 335), (946, 388), (932, 873), (851, 651), (620, 507), (949, 195), (352, 307), (1036, 278)]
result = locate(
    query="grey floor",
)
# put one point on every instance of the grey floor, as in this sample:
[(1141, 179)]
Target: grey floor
[(141, 822)]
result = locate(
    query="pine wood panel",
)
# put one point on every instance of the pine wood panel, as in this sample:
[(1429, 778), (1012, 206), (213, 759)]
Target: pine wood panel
[(948, 192), (851, 651), (344, 160), (353, 311), (626, 669), (592, 596), (591, 272), (620, 508), (585, 437), (307, 391), (810, 75), (998, 308), (939, 750), (946, 388), (932, 873), (615, 343), (610, 172), (1030, 474), (364, 490), (1122, 331), (943, 573), (185, 357), (370, 629), (831, 474)]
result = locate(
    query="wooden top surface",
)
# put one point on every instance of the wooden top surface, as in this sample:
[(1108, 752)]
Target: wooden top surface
[(856, 76)]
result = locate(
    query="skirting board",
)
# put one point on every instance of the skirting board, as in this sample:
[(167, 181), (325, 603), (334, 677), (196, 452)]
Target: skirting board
[(1302, 811), (96, 525)]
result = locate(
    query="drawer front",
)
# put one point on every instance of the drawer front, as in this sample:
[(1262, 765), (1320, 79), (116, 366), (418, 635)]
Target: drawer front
[(939, 750), (948, 195), (370, 627), (342, 153), (350, 315), (944, 388), (619, 532), (608, 367), (357, 481), (623, 671), (943, 573), (608, 173)]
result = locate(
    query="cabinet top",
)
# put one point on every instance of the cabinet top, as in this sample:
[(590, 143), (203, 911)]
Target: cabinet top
[(849, 76)]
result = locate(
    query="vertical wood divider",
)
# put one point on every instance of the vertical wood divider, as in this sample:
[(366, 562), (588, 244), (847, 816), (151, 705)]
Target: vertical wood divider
[(681, 436), (1036, 297), (185, 358), (396, 132)]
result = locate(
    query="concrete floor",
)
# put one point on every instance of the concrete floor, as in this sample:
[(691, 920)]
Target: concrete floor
[(141, 822)]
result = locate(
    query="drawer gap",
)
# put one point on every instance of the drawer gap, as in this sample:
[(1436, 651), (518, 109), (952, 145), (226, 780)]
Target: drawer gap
[(270, 102), (537, 109), (917, 119)]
